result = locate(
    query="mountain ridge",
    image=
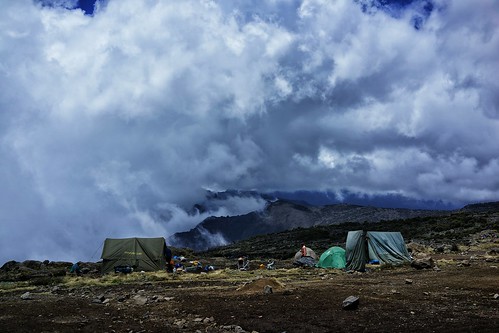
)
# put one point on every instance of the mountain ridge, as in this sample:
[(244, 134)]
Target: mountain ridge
[(281, 215)]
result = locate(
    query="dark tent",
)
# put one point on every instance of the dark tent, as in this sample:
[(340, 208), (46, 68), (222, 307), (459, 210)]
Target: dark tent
[(142, 254), (384, 247)]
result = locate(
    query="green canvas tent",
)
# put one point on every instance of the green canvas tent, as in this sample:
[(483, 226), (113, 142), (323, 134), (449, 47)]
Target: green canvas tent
[(334, 257), (142, 254), (384, 247)]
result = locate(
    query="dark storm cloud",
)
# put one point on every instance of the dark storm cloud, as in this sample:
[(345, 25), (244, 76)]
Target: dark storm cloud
[(115, 124)]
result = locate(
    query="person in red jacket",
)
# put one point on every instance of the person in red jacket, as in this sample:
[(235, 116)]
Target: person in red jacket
[(303, 250)]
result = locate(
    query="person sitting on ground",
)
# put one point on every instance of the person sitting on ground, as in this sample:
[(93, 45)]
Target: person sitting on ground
[(303, 250)]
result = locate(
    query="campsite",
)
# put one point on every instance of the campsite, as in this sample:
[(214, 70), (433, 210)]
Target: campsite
[(454, 289)]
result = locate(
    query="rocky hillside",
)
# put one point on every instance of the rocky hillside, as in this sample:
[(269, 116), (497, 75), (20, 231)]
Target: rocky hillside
[(284, 215)]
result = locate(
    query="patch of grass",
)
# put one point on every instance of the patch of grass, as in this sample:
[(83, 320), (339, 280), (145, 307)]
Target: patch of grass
[(14, 286), (446, 262)]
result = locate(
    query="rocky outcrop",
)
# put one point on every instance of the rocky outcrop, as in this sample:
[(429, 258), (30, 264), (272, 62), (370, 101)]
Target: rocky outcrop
[(39, 270)]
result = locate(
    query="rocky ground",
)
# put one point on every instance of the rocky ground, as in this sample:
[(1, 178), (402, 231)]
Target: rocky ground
[(460, 293)]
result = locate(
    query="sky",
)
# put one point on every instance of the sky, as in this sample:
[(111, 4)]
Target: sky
[(117, 116)]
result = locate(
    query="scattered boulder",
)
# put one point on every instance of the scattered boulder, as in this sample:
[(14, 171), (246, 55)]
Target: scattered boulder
[(408, 281), (351, 303), (423, 263)]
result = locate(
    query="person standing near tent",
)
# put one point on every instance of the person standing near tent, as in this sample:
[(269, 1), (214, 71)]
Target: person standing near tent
[(168, 258), (75, 269), (303, 250)]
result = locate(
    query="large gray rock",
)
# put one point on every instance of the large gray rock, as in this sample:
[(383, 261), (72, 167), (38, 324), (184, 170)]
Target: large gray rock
[(10, 266)]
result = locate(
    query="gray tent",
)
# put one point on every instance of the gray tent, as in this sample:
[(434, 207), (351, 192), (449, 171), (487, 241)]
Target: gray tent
[(307, 261), (385, 247), (310, 253), (143, 254)]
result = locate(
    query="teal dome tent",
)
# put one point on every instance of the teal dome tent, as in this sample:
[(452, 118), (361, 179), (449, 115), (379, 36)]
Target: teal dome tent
[(334, 257)]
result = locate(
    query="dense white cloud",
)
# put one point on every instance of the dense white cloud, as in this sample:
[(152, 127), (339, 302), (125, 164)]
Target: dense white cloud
[(112, 125)]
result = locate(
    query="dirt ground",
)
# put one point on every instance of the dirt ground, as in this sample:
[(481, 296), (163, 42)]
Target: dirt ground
[(457, 298)]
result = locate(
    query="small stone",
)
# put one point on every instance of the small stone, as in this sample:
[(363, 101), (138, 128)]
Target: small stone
[(496, 296), (267, 290), (181, 323), (239, 329), (408, 281), (465, 263), (26, 296), (140, 300), (351, 303)]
